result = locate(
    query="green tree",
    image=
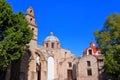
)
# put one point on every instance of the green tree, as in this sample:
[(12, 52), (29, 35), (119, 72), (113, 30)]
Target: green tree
[(109, 40), (14, 35)]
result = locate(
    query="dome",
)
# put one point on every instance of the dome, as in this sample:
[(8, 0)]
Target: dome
[(51, 38), (92, 47)]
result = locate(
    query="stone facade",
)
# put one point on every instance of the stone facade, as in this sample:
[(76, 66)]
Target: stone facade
[(51, 62), (87, 68)]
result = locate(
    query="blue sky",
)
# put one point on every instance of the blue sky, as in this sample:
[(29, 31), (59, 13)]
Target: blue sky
[(72, 21)]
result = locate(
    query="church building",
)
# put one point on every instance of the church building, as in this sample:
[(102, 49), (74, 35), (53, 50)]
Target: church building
[(51, 62)]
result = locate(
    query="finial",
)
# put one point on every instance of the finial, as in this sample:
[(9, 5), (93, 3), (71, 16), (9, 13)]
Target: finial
[(92, 43), (51, 33)]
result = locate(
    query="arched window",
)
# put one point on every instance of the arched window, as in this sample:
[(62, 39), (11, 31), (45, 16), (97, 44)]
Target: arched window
[(46, 44), (90, 52), (52, 45), (50, 68), (30, 11)]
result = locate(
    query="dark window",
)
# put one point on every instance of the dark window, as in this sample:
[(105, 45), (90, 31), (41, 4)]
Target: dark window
[(88, 63), (100, 60), (46, 44), (30, 11), (33, 29), (39, 72), (89, 72), (90, 52), (52, 45), (70, 64), (65, 52), (99, 53), (30, 19)]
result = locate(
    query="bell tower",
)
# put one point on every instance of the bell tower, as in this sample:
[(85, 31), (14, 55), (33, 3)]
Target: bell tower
[(92, 43), (31, 20)]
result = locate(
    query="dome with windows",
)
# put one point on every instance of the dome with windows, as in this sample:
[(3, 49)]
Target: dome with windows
[(51, 38), (91, 50)]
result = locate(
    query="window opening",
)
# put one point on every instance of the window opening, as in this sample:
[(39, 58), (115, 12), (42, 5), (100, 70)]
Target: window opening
[(52, 45), (30, 11), (88, 63), (90, 52), (70, 64), (46, 44), (33, 29), (89, 72), (30, 19)]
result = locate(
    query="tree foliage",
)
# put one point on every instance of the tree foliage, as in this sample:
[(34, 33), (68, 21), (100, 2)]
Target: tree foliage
[(14, 34), (109, 40)]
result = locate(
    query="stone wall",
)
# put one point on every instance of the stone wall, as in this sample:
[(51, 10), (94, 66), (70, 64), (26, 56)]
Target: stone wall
[(83, 66)]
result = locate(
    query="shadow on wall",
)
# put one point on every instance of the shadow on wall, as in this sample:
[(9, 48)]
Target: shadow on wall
[(74, 72), (19, 69)]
